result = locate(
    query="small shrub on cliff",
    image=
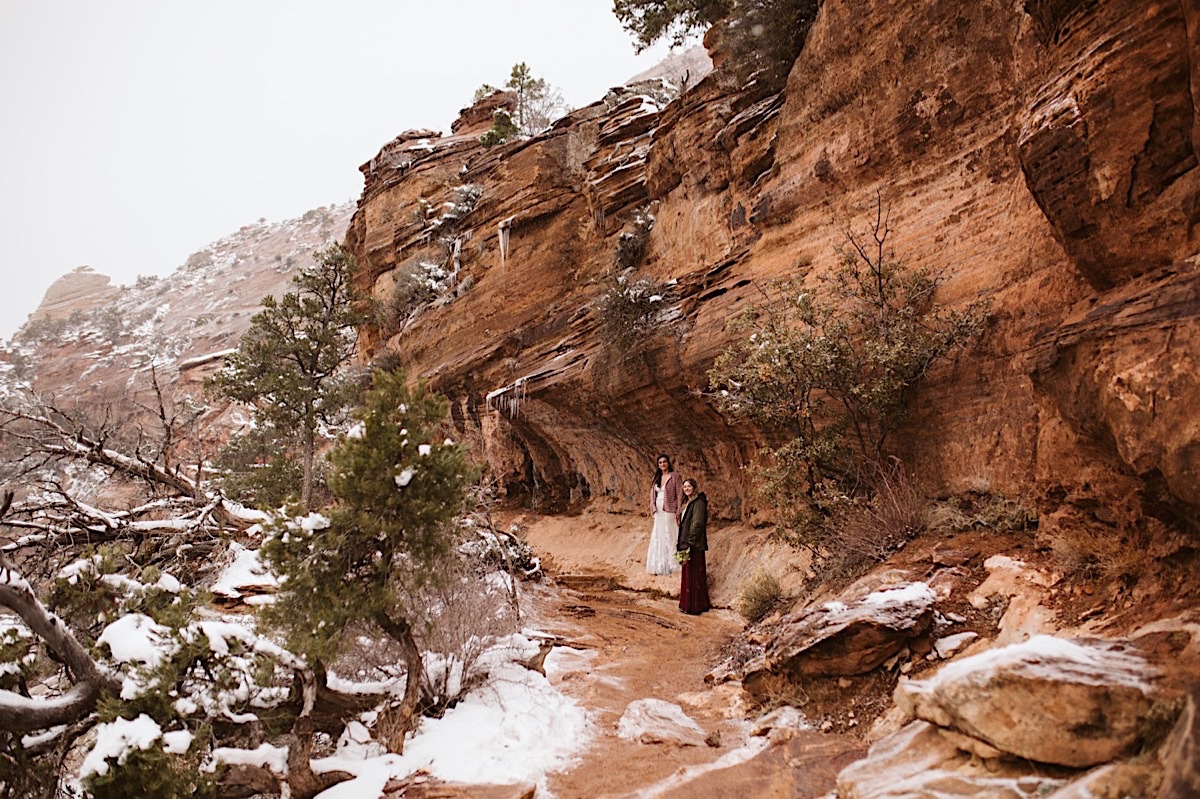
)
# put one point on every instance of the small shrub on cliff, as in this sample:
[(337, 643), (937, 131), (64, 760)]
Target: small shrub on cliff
[(416, 285), (630, 310), (388, 359), (45, 329), (981, 510), (832, 370), (866, 530), (632, 242), (503, 129), (1103, 553)]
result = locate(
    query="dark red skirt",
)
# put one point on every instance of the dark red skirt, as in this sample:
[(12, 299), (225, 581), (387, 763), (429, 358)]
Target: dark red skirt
[(693, 588)]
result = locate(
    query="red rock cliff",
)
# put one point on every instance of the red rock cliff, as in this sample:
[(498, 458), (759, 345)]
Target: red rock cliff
[(1043, 155)]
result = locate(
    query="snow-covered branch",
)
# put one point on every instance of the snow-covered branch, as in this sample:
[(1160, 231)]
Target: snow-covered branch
[(23, 714)]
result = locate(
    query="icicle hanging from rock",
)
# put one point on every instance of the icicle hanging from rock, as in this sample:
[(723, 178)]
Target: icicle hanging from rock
[(508, 398), (502, 230)]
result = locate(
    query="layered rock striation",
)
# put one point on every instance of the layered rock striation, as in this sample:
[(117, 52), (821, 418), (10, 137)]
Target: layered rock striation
[(1041, 154)]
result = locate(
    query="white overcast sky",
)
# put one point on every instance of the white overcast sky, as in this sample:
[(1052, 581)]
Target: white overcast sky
[(135, 132)]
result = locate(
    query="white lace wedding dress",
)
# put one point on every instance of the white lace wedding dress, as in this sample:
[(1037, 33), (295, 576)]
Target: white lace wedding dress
[(660, 559)]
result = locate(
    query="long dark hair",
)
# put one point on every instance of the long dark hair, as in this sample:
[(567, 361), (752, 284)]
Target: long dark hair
[(658, 472)]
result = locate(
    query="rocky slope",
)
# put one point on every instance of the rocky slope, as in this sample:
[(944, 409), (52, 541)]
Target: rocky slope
[(95, 342), (1042, 154)]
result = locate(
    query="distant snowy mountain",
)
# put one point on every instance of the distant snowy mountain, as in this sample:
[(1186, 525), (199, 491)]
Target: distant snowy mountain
[(89, 338)]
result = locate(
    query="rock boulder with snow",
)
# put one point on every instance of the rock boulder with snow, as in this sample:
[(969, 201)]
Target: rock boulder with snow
[(652, 721), (1051, 700), (838, 638)]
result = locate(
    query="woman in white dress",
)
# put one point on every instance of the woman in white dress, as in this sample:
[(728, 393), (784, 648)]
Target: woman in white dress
[(666, 496)]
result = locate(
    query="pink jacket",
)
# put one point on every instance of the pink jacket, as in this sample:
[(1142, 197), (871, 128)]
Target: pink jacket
[(673, 494)]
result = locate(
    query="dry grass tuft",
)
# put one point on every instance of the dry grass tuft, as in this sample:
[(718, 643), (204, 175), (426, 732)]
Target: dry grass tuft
[(758, 596), (1098, 553)]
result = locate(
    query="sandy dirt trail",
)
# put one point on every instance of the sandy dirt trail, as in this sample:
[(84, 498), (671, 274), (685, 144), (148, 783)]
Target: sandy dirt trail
[(631, 646), (629, 641)]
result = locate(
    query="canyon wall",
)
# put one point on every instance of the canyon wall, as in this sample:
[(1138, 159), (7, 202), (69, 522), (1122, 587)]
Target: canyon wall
[(1042, 155)]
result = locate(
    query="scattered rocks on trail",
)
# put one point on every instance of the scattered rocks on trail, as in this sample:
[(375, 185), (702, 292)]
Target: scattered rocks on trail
[(947, 646), (837, 638), (1049, 700), (1020, 590), (654, 721), (780, 723)]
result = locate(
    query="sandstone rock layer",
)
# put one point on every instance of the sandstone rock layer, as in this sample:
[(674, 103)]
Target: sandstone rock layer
[(1042, 154)]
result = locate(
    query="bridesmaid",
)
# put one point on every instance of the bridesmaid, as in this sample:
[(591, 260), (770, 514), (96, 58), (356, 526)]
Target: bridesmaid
[(691, 545), (666, 496)]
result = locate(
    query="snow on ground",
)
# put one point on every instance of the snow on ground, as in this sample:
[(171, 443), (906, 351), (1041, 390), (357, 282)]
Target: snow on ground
[(516, 728), (564, 660), (1052, 658), (690, 773), (911, 594), (652, 720), (246, 572)]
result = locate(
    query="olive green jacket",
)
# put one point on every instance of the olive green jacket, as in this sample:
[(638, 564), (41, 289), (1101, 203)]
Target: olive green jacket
[(693, 526)]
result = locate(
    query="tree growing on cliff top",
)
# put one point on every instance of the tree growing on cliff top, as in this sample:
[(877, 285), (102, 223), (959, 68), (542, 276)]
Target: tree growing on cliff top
[(833, 370), (398, 484), (289, 364), (538, 104)]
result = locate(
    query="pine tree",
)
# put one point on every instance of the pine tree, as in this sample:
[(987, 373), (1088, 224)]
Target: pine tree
[(538, 103), (398, 483), (676, 20), (288, 365), (763, 37), (503, 129)]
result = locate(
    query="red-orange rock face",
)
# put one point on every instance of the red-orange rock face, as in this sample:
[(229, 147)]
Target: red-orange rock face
[(1042, 156)]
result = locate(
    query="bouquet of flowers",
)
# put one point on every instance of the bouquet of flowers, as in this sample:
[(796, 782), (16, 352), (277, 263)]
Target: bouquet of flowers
[(682, 555)]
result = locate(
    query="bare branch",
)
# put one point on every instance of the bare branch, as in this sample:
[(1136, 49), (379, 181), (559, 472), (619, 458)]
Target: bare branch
[(56, 441)]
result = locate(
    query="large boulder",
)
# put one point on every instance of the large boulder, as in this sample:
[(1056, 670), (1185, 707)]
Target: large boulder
[(1050, 700), (838, 638)]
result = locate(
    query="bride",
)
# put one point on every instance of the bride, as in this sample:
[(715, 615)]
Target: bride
[(665, 498)]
